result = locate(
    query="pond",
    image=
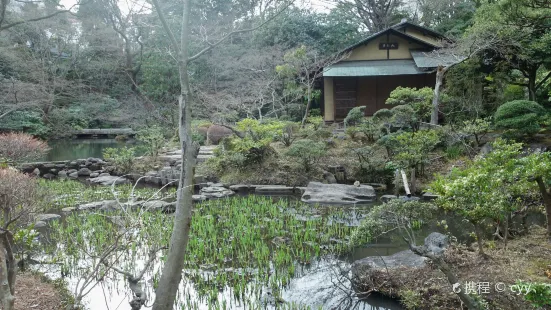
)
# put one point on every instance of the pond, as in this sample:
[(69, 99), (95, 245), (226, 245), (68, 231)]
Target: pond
[(70, 149), (226, 273)]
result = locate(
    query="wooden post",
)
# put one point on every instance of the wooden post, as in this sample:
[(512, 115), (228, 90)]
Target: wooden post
[(405, 180)]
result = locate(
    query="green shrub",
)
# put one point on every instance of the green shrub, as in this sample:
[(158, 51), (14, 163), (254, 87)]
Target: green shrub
[(454, 151), (315, 112), (351, 132), (266, 130), (477, 128), (355, 116), (316, 121), (197, 137), (27, 121), (538, 294), (307, 151), (121, 158), (420, 100), (373, 167), (520, 118), (410, 299), (152, 140)]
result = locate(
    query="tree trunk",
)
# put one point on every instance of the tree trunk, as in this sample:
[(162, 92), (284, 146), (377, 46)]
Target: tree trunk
[(532, 76), (412, 181), (436, 99), (172, 270), (478, 233), (307, 106), (7, 274), (547, 202)]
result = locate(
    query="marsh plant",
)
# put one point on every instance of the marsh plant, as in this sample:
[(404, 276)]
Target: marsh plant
[(246, 244), (69, 193)]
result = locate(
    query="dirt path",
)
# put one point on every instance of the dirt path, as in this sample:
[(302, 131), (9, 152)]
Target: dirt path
[(33, 293)]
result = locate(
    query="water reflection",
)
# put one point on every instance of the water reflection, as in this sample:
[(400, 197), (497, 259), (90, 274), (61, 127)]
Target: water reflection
[(82, 148)]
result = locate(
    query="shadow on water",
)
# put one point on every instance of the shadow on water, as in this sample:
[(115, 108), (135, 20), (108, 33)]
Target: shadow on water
[(70, 149)]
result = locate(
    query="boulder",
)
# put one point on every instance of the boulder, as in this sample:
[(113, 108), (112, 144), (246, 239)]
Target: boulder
[(73, 175), (387, 198), (329, 177), (54, 171), (215, 133), (152, 177), (94, 175), (62, 174), (374, 271), (338, 193), (105, 174), (36, 172), (49, 176), (68, 209), (84, 172), (339, 172), (216, 192)]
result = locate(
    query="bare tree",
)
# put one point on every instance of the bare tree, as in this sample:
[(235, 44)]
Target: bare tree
[(405, 218), (172, 270), (375, 15), (5, 24), (19, 194), (304, 68)]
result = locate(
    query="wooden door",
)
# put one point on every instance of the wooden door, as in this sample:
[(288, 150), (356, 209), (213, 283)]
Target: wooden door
[(345, 96)]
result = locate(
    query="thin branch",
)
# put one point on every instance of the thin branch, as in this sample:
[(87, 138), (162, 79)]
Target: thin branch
[(37, 19), (212, 45), (171, 36)]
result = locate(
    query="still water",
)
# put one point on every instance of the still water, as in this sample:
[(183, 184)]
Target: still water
[(82, 148)]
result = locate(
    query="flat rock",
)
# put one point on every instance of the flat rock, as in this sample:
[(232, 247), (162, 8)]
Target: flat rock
[(47, 217), (68, 209), (40, 224), (198, 198), (242, 187), (94, 175), (104, 204), (108, 180), (216, 192), (158, 205), (275, 189), (73, 175), (429, 196), (317, 192)]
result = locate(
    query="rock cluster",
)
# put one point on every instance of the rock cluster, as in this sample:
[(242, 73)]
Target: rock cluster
[(65, 168)]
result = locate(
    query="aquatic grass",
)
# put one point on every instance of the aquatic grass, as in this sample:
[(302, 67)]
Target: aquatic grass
[(245, 244), (71, 193)]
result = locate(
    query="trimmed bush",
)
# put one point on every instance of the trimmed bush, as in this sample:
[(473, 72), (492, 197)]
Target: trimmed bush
[(308, 152), (520, 118), (19, 147)]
